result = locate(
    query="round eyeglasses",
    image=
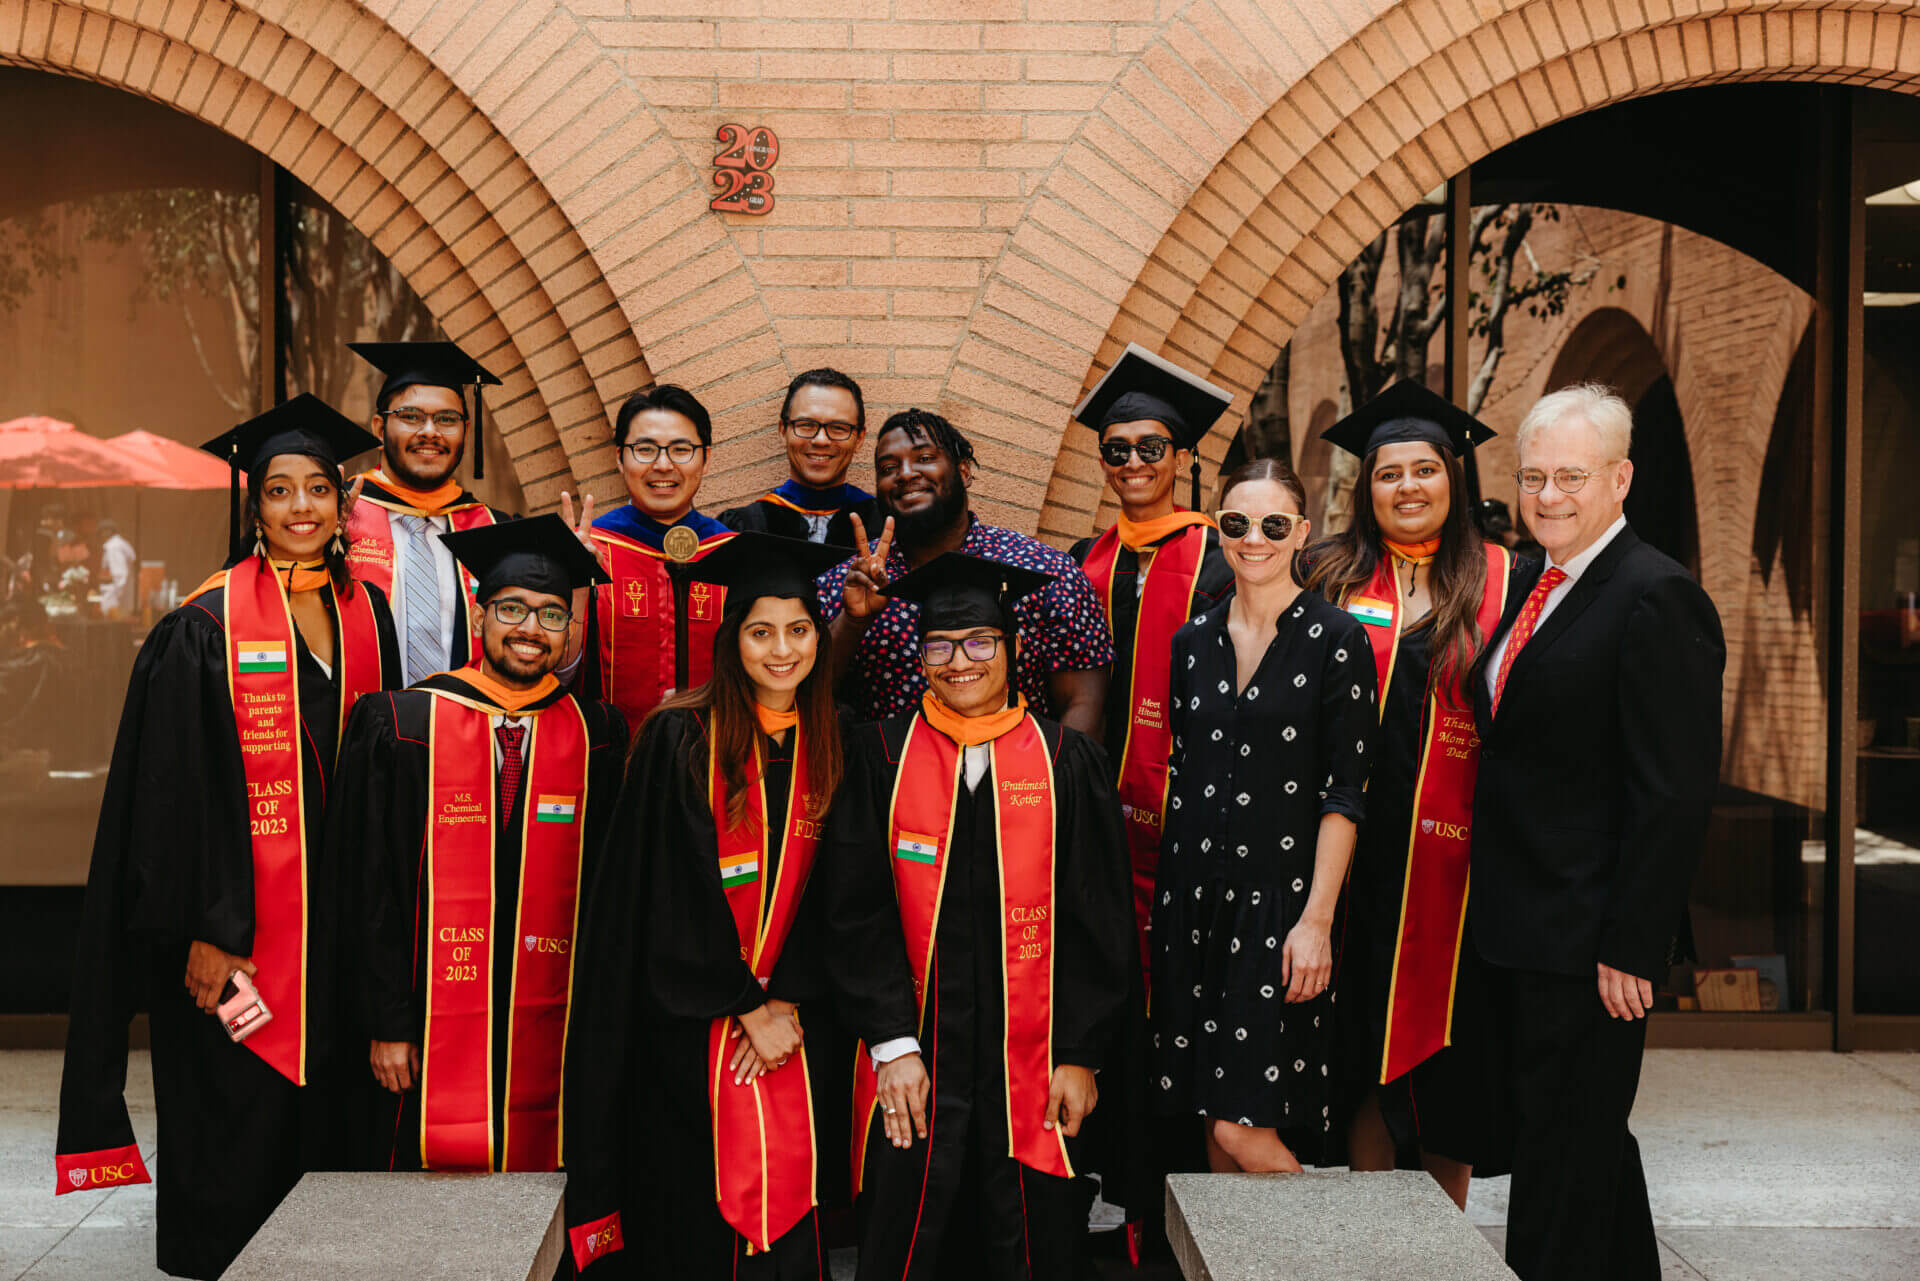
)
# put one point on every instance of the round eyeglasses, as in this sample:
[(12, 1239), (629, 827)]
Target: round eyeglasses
[(1274, 526), (414, 419), (1114, 453), (1568, 480), (512, 613), (644, 452), (807, 429), (938, 653)]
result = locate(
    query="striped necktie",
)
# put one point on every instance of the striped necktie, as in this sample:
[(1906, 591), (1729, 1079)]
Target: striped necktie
[(1523, 627), (420, 605)]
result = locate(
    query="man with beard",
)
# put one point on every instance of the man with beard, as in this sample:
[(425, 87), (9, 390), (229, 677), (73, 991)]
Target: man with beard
[(822, 422), (420, 416), (472, 804), (923, 468)]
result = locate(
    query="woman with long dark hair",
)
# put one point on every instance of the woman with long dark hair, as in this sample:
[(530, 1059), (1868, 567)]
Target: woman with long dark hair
[(690, 1119), (208, 876), (1272, 716), (1414, 571)]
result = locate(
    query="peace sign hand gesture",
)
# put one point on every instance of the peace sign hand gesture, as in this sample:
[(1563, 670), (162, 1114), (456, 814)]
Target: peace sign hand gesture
[(582, 528), (864, 594)]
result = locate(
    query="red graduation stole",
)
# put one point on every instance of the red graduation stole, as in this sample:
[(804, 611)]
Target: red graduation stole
[(635, 616), (457, 1123), (919, 831), (1433, 899), (263, 682), (1166, 602), (763, 1152), (370, 554)]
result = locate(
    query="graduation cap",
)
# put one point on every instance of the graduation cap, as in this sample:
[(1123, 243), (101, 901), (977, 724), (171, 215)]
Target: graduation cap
[(956, 591), (1408, 411), (539, 553), (754, 565), (304, 425), (1144, 387), (432, 364)]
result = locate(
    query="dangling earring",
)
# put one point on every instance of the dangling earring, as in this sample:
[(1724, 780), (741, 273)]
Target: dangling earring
[(338, 547), (260, 541)]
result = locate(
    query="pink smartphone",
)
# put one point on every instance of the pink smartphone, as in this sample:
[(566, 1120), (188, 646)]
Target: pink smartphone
[(242, 1012)]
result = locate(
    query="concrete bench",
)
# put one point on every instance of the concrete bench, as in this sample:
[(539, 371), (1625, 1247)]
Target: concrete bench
[(1323, 1227), (475, 1227)]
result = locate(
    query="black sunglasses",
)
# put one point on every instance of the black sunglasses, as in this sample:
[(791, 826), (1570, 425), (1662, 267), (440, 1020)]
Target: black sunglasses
[(1151, 450)]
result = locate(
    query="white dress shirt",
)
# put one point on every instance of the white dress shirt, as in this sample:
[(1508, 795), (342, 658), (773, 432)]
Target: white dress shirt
[(448, 606), (974, 760), (1575, 566)]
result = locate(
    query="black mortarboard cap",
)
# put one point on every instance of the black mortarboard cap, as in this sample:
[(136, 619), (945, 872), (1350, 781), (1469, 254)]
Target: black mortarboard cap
[(540, 553), (956, 591), (1142, 385), (1408, 411), (304, 425), (432, 364), (753, 565)]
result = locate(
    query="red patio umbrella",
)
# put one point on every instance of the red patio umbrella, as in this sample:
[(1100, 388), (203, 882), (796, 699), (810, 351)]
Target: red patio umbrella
[(181, 466), (45, 453)]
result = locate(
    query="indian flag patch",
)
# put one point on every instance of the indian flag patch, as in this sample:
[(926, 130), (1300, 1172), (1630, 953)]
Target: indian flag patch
[(739, 869), (1374, 613), (263, 656), (915, 848), (554, 809)]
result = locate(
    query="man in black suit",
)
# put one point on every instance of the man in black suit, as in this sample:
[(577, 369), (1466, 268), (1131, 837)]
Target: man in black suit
[(1598, 701)]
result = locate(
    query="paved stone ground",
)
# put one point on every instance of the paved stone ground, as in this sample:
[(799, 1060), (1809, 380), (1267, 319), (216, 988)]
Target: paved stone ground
[(1763, 1166)]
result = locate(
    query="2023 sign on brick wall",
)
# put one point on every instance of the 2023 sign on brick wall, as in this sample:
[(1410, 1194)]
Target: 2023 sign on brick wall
[(741, 170)]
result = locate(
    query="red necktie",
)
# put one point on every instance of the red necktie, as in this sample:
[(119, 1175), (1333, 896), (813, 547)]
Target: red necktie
[(510, 737), (1523, 627)]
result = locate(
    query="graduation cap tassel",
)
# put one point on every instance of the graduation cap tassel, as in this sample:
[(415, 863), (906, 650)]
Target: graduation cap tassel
[(479, 434), (1193, 472), (233, 499)]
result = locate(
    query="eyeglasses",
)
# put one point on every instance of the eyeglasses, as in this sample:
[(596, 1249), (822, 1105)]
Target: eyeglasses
[(644, 452), (512, 613), (414, 419), (1568, 480), (807, 429), (1114, 453), (1274, 526), (938, 653)]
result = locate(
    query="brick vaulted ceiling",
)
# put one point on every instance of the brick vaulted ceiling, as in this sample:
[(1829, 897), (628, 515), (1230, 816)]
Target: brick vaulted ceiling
[(978, 202)]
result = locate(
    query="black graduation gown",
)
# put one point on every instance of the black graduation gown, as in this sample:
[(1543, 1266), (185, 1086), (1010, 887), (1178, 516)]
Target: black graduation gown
[(957, 1205), (1216, 580), (457, 656), (760, 516), (1444, 1104), (381, 812), (172, 863), (659, 961)]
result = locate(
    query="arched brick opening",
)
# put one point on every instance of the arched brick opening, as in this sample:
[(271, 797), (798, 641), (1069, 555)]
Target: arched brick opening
[(1389, 112), (338, 98)]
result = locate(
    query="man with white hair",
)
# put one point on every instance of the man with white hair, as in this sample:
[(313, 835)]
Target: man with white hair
[(1598, 702)]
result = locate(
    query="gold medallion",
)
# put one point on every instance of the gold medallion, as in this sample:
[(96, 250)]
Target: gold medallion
[(680, 544)]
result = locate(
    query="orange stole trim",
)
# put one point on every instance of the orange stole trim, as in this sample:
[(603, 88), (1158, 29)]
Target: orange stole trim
[(1433, 896), (635, 614), (266, 713), (1166, 601), (780, 500), (457, 1122), (371, 557), (763, 1137), (925, 792)]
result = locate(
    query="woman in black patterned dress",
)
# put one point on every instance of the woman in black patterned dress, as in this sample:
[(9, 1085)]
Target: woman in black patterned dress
[(1272, 709)]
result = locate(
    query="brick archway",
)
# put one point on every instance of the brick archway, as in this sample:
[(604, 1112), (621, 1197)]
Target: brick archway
[(1322, 152), (420, 166)]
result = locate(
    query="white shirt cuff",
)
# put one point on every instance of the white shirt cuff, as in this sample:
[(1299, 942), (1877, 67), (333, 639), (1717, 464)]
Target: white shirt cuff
[(888, 1051)]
